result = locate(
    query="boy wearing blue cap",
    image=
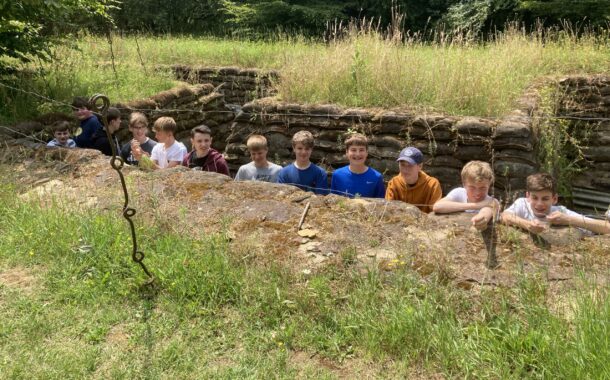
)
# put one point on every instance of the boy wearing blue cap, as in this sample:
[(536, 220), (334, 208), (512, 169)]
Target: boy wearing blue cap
[(412, 185)]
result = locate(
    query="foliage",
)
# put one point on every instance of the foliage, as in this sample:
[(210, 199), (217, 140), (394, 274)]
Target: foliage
[(29, 28)]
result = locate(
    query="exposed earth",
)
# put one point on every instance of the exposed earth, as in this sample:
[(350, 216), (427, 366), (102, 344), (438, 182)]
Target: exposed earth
[(261, 220)]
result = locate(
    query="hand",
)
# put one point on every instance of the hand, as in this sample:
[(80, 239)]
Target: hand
[(485, 203), (480, 221), (536, 226), (557, 217)]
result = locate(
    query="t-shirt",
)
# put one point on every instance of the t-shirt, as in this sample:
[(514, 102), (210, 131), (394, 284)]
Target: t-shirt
[(55, 144), (249, 172), (459, 195), (423, 194), (368, 184), (147, 147), (175, 152), (522, 208), (313, 178)]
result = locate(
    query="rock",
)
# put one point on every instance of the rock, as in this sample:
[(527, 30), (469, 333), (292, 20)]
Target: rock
[(308, 233)]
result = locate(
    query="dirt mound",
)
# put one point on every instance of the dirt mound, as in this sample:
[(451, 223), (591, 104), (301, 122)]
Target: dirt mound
[(261, 221)]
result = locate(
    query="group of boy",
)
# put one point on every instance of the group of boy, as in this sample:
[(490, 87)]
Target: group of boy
[(534, 213)]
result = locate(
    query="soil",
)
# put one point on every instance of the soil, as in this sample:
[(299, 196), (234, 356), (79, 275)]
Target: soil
[(261, 220)]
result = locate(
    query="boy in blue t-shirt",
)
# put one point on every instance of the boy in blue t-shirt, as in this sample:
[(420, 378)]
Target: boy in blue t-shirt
[(302, 173), (357, 179)]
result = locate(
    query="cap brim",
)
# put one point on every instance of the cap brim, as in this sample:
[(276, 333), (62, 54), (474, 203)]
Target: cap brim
[(409, 160)]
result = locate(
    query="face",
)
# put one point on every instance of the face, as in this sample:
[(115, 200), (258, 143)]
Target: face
[(259, 156), (161, 136), (201, 142), (61, 136), (82, 113), (476, 191), (302, 153), (138, 130), (114, 125), (356, 154), (541, 202), (409, 172)]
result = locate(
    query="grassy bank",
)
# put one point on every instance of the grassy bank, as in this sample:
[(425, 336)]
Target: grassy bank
[(453, 74), (71, 306)]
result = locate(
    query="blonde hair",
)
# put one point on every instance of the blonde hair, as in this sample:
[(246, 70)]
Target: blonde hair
[(256, 142), (165, 124), (303, 137), (477, 171), (356, 139), (138, 117)]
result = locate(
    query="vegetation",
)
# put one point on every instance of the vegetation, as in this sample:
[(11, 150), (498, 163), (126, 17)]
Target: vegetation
[(455, 74), (72, 306)]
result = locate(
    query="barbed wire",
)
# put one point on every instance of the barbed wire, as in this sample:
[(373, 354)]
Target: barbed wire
[(322, 115)]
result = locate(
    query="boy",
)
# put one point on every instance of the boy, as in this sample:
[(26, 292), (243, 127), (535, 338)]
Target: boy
[(168, 152), (537, 210), (140, 144), (259, 169), (100, 140), (477, 178), (61, 132), (89, 123), (412, 185), (357, 178), (203, 156), (302, 173)]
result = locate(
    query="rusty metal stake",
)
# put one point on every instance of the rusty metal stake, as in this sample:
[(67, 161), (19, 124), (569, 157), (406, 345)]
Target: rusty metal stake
[(117, 164)]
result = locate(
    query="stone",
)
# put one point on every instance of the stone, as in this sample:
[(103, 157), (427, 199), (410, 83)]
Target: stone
[(473, 126), (308, 233), (513, 169)]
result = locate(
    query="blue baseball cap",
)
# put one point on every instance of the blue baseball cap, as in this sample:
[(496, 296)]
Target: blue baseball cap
[(411, 155)]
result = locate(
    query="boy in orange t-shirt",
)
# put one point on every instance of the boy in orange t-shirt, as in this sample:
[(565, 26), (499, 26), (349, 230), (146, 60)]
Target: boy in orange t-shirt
[(412, 185)]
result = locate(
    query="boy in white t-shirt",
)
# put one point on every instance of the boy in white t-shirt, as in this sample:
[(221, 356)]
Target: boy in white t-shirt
[(168, 152), (477, 178), (538, 209)]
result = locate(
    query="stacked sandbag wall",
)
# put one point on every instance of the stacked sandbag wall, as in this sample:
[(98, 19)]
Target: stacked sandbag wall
[(447, 142), (584, 103), (238, 85)]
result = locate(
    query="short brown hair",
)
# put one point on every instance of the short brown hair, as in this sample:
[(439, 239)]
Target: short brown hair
[(138, 117), (201, 129), (165, 124), (61, 126), (256, 142), (80, 102), (112, 114), (540, 182), (303, 137), (356, 139), (477, 171)]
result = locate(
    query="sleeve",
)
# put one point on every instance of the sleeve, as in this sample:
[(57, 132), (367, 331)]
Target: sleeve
[(222, 166), (321, 182), (71, 143), (455, 195), (519, 208), (239, 175), (125, 150), (436, 193), (185, 160), (380, 188), (51, 144), (88, 129), (334, 184), (154, 155), (178, 155), (390, 194), (280, 176)]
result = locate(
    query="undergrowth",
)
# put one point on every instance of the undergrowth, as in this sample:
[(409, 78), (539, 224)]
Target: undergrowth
[(86, 314)]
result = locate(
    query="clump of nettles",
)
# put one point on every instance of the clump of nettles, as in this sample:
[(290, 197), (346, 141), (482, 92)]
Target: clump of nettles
[(145, 163)]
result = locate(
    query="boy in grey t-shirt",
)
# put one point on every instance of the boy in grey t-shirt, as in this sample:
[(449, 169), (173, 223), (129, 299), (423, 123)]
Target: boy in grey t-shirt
[(259, 169)]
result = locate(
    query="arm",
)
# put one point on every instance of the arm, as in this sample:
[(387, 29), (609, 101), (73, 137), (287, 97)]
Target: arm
[(380, 189), (445, 206), (390, 193), (575, 220), (322, 183), (222, 166)]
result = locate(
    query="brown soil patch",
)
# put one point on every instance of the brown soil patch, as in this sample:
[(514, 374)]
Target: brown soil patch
[(19, 278), (261, 219)]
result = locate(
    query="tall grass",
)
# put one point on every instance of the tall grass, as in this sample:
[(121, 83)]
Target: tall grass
[(364, 67)]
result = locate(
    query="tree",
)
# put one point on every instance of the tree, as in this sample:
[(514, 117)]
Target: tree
[(595, 11), (29, 28)]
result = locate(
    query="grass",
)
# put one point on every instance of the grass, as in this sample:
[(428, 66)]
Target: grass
[(453, 74), (83, 313)]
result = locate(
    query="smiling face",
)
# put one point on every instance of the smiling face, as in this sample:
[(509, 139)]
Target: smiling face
[(302, 153), (357, 154), (62, 136), (409, 172), (476, 191), (82, 113), (541, 202), (259, 156), (138, 130), (201, 142)]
